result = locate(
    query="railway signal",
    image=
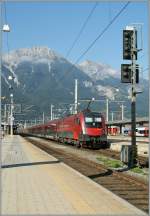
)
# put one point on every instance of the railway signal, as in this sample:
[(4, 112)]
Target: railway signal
[(126, 73), (129, 35), (130, 74)]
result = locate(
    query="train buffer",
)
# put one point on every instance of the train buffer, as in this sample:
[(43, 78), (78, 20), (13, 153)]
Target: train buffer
[(34, 182)]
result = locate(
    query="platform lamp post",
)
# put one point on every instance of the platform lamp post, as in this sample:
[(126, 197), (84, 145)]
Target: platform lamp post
[(3, 28), (76, 97), (52, 115), (11, 114), (122, 111), (107, 109)]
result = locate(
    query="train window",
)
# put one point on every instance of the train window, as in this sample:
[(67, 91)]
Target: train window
[(98, 119), (93, 122), (77, 121), (88, 119)]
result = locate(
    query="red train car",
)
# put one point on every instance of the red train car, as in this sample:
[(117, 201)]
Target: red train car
[(113, 130), (83, 129), (140, 132)]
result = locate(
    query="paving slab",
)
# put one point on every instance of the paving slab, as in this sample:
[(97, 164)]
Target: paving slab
[(34, 182)]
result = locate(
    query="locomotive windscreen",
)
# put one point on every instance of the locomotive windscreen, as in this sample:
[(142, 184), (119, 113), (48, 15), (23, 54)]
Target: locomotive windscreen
[(93, 120)]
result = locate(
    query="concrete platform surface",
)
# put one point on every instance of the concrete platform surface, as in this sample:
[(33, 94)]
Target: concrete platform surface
[(126, 137), (141, 142), (34, 182)]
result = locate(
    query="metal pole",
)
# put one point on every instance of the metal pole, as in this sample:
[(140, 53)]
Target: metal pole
[(8, 114), (5, 117), (112, 116), (25, 124), (51, 111), (149, 82), (76, 97), (5, 112), (43, 118), (11, 116), (1, 23), (122, 112), (107, 110), (133, 104)]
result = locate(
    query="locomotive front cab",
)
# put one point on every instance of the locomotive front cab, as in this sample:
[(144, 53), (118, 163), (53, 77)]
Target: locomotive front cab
[(94, 131)]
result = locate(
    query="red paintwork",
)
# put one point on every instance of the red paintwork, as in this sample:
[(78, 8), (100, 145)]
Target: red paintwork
[(94, 131), (68, 124), (113, 130)]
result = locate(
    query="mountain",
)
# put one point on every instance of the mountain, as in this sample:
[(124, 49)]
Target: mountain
[(104, 78), (43, 77)]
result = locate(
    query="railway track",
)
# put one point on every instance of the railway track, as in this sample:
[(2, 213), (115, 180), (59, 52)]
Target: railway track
[(127, 187), (142, 161)]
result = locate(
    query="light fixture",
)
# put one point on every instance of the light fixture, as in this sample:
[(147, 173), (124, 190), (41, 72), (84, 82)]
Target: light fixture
[(6, 28), (10, 77)]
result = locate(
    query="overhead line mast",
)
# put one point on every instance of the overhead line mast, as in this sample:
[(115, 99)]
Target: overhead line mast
[(76, 97)]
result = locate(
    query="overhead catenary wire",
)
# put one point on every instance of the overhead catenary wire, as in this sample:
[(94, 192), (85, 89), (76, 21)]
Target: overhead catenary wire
[(96, 39), (82, 28), (103, 31)]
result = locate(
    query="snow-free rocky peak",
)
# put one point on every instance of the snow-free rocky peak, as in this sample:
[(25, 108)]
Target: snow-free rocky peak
[(97, 71)]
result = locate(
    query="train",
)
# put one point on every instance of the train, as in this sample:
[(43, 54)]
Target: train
[(84, 129), (113, 130), (140, 131)]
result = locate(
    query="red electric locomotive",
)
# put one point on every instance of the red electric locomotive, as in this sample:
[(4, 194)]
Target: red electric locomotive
[(83, 129)]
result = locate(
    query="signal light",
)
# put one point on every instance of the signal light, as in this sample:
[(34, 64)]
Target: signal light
[(126, 73), (128, 44), (137, 73)]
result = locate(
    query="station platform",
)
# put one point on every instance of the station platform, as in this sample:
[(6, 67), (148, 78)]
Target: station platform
[(141, 142), (34, 182)]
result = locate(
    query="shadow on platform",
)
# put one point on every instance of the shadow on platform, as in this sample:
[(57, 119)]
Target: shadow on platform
[(29, 164)]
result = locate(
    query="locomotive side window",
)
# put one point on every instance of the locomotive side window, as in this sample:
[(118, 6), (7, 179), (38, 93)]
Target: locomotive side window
[(77, 121)]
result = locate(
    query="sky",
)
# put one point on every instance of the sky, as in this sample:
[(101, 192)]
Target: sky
[(57, 24)]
